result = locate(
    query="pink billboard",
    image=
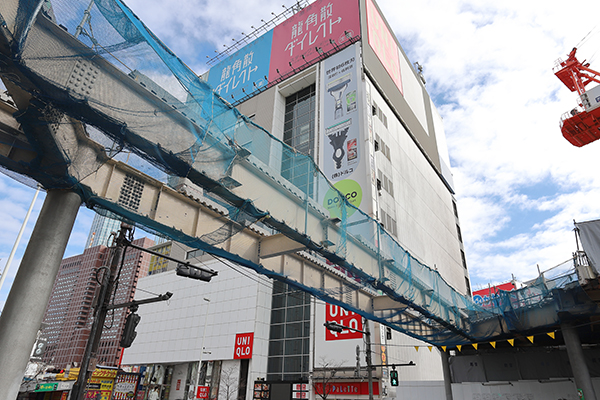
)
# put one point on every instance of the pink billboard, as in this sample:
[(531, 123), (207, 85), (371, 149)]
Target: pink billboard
[(383, 44), (324, 24)]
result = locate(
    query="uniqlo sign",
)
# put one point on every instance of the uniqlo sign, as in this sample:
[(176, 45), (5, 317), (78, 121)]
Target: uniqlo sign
[(243, 345), (202, 392), (337, 314)]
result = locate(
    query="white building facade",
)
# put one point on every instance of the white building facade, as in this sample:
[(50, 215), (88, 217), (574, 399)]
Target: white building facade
[(332, 82)]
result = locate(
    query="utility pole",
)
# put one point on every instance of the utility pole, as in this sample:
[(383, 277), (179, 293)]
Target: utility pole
[(109, 277), (103, 300), (207, 300), (368, 357), (334, 326)]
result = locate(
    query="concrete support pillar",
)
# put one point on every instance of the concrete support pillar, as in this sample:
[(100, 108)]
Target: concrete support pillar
[(447, 375), (26, 303), (579, 368)]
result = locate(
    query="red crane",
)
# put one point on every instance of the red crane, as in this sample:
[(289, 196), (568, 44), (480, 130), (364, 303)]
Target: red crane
[(581, 125)]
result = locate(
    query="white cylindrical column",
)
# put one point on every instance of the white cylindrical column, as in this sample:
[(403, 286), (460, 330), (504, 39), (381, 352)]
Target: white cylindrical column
[(26, 303)]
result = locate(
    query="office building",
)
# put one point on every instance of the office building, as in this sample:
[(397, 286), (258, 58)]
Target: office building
[(69, 313), (101, 230)]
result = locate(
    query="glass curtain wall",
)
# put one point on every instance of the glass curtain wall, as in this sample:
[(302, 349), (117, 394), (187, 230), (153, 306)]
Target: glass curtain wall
[(299, 133), (289, 341)]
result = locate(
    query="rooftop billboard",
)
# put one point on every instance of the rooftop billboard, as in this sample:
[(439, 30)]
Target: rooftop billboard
[(293, 45)]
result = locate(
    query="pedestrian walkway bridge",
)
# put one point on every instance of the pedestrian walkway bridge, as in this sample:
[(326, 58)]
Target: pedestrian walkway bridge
[(89, 82)]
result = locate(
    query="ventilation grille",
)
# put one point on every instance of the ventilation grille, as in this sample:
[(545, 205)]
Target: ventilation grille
[(131, 192)]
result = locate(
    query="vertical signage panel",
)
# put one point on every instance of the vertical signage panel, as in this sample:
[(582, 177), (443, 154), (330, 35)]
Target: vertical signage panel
[(243, 345), (343, 156)]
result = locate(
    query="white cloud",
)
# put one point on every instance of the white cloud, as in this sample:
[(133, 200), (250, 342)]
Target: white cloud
[(489, 67), (15, 199), (191, 26)]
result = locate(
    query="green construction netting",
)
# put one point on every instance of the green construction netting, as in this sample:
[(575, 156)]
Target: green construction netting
[(96, 63)]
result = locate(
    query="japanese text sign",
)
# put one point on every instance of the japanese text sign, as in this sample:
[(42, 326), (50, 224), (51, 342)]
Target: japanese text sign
[(324, 24)]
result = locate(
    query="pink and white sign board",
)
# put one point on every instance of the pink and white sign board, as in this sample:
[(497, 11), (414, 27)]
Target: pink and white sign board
[(324, 24)]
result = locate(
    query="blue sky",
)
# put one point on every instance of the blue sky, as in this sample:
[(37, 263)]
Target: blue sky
[(488, 67)]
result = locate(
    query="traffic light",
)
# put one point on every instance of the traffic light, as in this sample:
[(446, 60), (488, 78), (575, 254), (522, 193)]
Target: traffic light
[(394, 377), (129, 332), (194, 273)]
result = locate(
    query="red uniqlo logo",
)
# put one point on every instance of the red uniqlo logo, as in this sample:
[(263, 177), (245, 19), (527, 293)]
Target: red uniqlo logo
[(202, 392), (337, 314), (243, 345)]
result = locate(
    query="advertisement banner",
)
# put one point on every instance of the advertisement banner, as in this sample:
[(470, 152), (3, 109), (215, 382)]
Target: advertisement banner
[(340, 115), (345, 388), (383, 44), (244, 72), (343, 158), (295, 43), (125, 386), (243, 345), (324, 24), (343, 317)]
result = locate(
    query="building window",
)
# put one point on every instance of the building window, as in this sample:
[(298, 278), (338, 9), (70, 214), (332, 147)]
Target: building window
[(380, 145), (455, 208), (299, 133), (389, 224), (468, 283), (379, 113), (384, 182), (460, 239), (289, 340), (464, 259)]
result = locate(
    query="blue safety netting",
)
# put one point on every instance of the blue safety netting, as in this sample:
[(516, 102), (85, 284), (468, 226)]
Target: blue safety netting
[(97, 63)]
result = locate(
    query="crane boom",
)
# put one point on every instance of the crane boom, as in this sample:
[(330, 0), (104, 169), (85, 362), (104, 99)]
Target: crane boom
[(581, 125)]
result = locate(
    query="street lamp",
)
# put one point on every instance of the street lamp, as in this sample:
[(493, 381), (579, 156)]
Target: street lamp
[(335, 327), (202, 347)]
